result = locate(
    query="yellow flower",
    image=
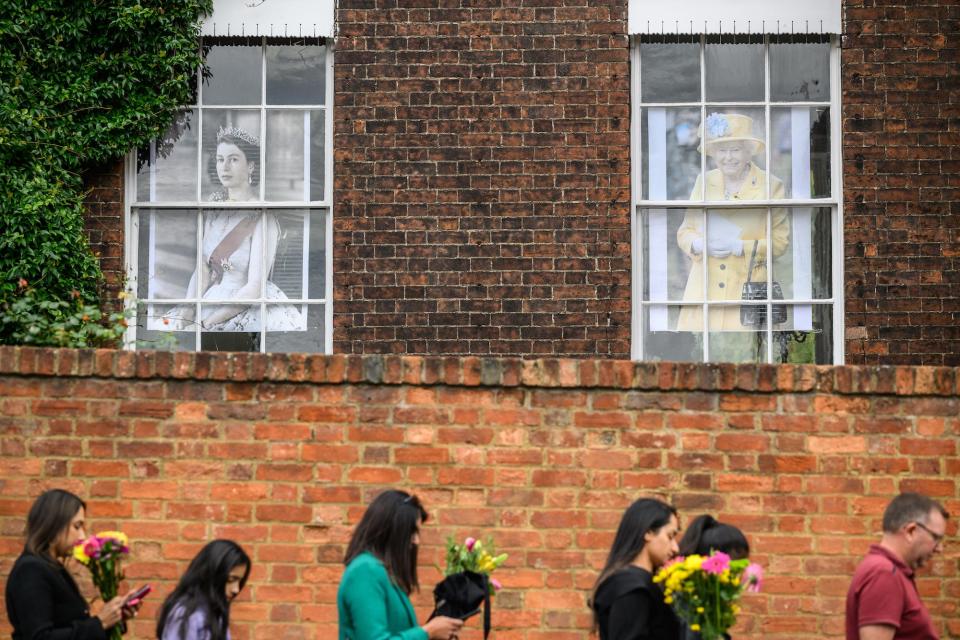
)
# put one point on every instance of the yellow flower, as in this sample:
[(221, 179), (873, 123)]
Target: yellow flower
[(668, 599), (700, 609), (119, 536), (80, 556), (692, 563), (694, 627)]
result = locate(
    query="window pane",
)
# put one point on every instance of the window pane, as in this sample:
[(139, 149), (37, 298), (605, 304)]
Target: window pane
[(294, 155), (665, 339), (290, 268), (670, 72), (167, 253), (231, 155), (738, 346), (234, 243), (800, 72), (804, 268), (156, 329), (167, 169), (296, 74), (285, 153), (800, 154), (306, 338), (234, 75), (736, 250), (232, 248), (236, 318), (668, 256), (735, 149), (734, 72), (808, 338), (317, 253), (229, 341), (670, 162), (318, 155)]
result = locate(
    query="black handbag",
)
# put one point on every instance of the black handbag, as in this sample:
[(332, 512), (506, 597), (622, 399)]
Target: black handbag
[(756, 315)]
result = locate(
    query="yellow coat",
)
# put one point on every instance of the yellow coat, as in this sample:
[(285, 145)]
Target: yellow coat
[(726, 275)]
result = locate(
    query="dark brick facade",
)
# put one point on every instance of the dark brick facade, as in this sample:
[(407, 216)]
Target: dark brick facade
[(901, 136), (482, 165), (105, 228), (482, 178)]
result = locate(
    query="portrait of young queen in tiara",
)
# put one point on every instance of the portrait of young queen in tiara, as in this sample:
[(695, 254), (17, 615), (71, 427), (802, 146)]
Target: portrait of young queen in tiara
[(233, 242)]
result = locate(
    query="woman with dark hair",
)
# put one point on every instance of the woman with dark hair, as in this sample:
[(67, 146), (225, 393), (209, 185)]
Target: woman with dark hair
[(373, 601), (199, 607), (626, 603), (706, 535), (43, 600)]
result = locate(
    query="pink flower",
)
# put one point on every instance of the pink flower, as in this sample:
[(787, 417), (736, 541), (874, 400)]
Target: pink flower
[(753, 577), (496, 584), (92, 547), (469, 542), (717, 563)]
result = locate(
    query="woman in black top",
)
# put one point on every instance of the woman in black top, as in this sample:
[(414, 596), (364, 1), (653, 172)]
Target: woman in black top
[(626, 604), (43, 601), (706, 535)]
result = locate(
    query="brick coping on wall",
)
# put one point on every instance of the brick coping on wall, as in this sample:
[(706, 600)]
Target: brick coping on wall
[(471, 371)]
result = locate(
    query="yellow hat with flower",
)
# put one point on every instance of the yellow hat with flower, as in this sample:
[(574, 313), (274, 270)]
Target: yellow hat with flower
[(729, 127)]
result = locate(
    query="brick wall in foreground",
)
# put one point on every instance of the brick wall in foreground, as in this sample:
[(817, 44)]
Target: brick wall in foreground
[(282, 453)]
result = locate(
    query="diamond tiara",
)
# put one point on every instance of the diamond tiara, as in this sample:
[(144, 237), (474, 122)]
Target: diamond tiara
[(237, 132)]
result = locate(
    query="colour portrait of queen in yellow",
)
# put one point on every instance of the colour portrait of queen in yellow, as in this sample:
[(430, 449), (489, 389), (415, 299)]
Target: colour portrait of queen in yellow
[(732, 235)]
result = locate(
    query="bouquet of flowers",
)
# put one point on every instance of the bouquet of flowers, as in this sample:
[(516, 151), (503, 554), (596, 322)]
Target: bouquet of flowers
[(467, 583), (475, 556), (704, 590), (102, 554)]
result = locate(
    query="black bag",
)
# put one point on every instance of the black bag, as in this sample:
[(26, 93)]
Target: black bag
[(460, 595), (756, 315)]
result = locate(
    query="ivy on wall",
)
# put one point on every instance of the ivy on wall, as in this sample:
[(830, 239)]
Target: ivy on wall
[(81, 83)]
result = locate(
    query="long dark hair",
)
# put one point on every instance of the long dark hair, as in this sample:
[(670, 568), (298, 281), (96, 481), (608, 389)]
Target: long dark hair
[(386, 530), (641, 517), (203, 588), (705, 535), (50, 514)]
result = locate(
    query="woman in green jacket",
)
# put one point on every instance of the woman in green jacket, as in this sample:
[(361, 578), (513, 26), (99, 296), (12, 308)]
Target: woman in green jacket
[(373, 601)]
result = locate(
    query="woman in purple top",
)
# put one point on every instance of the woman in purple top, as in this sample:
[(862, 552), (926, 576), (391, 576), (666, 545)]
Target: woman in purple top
[(199, 608)]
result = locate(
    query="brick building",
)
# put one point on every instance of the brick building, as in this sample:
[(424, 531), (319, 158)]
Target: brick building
[(489, 196), (486, 179)]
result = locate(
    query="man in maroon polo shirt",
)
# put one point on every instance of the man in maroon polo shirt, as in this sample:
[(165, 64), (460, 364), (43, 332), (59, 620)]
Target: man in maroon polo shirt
[(883, 603)]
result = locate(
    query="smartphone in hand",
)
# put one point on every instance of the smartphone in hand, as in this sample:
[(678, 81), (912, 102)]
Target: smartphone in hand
[(134, 598)]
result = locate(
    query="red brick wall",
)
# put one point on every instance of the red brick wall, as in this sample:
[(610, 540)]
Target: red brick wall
[(901, 187), (282, 453), (482, 178)]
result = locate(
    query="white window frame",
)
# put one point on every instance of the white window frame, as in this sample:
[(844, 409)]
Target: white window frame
[(834, 202), (132, 206)]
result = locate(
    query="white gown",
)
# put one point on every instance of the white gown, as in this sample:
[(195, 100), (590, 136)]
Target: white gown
[(280, 317)]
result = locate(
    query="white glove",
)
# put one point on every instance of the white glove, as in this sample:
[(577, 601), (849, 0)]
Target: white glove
[(723, 247)]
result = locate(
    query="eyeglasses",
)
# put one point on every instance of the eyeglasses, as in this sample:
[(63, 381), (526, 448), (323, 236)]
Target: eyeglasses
[(937, 537)]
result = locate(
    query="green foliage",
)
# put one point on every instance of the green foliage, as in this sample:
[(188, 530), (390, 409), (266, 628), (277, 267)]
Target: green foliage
[(81, 83), (43, 322)]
